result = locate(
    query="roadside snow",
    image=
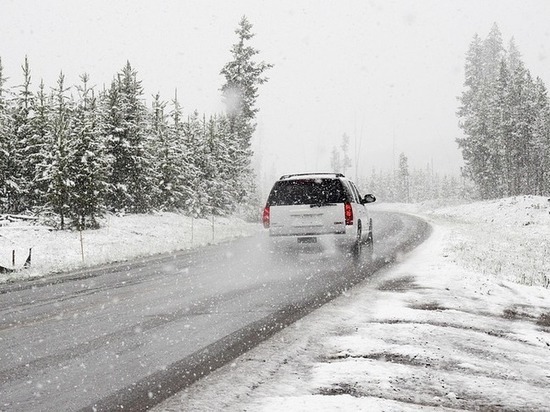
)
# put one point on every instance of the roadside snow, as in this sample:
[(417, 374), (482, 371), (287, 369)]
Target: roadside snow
[(445, 329), (506, 238), (120, 238)]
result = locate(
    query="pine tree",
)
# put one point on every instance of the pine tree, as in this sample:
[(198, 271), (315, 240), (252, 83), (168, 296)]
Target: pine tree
[(479, 115), (513, 56), (222, 184), (87, 165), (243, 75), (403, 179), (39, 148), (57, 172), (335, 160), (5, 142), (471, 115), (186, 170), (199, 201), (522, 122), (541, 141), (132, 175), (173, 163), (17, 180), (346, 160), (502, 126)]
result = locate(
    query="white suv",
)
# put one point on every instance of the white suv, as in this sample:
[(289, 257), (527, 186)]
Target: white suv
[(318, 208)]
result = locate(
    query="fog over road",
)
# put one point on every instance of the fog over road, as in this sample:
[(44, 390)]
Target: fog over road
[(133, 334)]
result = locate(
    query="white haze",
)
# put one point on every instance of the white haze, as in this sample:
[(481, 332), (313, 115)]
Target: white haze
[(387, 73)]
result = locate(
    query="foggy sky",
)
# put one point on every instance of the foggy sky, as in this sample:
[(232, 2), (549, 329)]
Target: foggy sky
[(387, 73)]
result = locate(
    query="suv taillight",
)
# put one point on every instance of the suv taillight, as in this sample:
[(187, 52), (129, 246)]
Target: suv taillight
[(348, 213), (265, 217)]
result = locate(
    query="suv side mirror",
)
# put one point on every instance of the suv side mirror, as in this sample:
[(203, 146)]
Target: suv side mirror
[(369, 199)]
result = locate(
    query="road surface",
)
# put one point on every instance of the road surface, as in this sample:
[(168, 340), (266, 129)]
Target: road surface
[(130, 335)]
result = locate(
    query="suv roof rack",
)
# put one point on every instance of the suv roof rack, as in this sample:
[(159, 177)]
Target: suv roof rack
[(309, 174)]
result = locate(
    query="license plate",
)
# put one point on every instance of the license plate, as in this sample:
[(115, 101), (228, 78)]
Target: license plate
[(307, 240)]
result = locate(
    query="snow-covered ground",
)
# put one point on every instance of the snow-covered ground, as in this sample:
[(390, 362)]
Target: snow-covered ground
[(119, 239), (463, 322), (447, 328)]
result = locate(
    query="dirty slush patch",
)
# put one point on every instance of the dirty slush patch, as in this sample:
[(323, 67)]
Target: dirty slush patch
[(444, 355)]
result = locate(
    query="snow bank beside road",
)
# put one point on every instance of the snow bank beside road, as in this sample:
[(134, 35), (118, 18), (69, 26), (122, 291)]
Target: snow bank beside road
[(120, 238), (506, 238), (430, 333)]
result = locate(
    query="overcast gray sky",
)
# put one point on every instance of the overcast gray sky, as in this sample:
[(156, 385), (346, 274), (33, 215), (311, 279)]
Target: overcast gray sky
[(387, 73)]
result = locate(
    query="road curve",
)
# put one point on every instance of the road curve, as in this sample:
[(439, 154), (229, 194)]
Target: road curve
[(129, 336)]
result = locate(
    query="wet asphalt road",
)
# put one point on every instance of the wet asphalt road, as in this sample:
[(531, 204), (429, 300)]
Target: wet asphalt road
[(131, 335)]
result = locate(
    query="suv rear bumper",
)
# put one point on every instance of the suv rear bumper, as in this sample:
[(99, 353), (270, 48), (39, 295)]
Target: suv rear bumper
[(326, 240)]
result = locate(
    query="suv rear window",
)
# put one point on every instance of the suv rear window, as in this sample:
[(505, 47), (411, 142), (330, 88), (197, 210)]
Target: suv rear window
[(307, 192)]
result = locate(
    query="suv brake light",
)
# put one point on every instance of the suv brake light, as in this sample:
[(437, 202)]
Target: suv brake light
[(265, 217), (348, 213)]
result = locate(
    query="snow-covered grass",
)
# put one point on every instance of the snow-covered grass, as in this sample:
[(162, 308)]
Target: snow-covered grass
[(445, 329), (507, 238), (120, 238)]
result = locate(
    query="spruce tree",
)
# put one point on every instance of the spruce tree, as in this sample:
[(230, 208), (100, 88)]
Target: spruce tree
[(403, 179), (199, 201), (336, 160), (172, 159), (18, 178), (5, 141), (87, 165), (541, 141), (185, 172), (39, 149), (346, 160), (242, 75), (478, 113), (132, 174), (57, 171), (522, 123), (220, 151)]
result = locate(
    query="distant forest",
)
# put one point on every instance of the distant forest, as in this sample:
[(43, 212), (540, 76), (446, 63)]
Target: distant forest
[(505, 116), (406, 185), (74, 152)]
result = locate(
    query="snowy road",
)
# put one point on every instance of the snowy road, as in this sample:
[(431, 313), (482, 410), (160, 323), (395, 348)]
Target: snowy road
[(134, 334)]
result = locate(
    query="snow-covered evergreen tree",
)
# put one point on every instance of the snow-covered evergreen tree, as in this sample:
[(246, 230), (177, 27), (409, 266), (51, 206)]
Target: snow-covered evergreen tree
[(174, 166), (39, 148), (57, 172), (132, 174), (181, 155), (523, 118), (335, 160), (403, 179), (18, 177), (541, 141), (223, 185), (87, 163), (199, 202), (346, 160), (5, 142), (243, 75)]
